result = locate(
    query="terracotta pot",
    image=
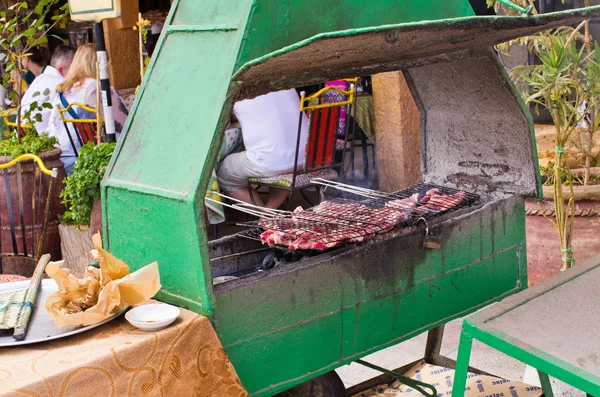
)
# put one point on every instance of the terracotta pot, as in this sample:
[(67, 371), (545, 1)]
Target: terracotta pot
[(543, 243), (52, 242), (96, 218)]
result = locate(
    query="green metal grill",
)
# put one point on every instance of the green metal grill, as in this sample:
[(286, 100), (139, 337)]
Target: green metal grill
[(286, 325)]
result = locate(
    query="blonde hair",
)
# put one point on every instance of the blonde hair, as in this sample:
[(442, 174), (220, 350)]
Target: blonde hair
[(82, 67)]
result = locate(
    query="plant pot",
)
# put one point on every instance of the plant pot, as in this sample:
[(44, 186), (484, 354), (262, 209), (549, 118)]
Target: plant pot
[(22, 266), (543, 243), (96, 218), (76, 245)]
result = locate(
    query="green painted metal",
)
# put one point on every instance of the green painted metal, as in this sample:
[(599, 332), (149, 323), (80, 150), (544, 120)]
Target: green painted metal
[(415, 384), (546, 385), (154, 189), (512, 5), (305, 321), (275, 24), (476, 327)]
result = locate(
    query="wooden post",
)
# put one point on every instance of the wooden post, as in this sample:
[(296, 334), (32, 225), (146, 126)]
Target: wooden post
[(141, 46), (397, 122), (98, 102), (122, 45)]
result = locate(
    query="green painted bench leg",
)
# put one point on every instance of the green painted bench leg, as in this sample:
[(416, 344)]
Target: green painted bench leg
[(546, 385), (462, 364)]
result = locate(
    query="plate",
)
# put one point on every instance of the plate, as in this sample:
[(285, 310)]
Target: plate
[(41, 328)]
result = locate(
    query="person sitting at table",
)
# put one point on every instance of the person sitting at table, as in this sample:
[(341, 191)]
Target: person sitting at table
[(35, 62), (48, 78), (79, 86), (269, 130)]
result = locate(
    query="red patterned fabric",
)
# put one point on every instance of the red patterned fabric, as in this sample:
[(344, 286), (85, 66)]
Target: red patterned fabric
[(9, 278)]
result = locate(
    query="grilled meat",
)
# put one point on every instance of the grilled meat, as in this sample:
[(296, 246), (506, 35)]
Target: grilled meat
[(332, 223)]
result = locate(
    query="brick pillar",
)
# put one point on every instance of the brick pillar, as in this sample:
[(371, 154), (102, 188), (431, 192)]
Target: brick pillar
[(122, 46), (397, 122)]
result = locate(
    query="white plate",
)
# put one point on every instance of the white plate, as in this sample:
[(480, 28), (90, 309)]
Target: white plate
[(153, 317), (41, 328)]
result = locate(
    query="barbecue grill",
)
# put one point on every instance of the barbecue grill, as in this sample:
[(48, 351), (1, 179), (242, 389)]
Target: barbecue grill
[(315, 312)]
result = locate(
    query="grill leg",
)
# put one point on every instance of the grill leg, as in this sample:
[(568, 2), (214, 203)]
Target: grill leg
[(434, 344)]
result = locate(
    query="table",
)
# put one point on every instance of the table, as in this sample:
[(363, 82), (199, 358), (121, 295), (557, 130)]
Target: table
[(553, 327), (116, 359)]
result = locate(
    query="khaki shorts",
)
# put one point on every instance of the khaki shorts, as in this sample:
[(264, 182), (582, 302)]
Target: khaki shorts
[(235, 169)]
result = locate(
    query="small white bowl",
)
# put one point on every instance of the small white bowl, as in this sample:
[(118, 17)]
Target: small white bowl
[(152, 317)]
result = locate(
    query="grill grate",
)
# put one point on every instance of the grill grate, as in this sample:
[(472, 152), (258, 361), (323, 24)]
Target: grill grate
[(252, 234), (416, 198), (339, 221)]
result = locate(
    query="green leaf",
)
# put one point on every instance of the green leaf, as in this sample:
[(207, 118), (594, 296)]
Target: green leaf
[(35, 94), (47, 105), (57, 37), (46, 92), (30, 31), (82, 187), (42, 40)]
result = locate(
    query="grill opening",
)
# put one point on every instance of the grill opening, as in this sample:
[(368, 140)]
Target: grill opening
[(343, 221)]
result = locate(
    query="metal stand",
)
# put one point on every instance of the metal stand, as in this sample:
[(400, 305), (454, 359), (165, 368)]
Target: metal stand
[(432, 356), (415, 384), (109, 119)]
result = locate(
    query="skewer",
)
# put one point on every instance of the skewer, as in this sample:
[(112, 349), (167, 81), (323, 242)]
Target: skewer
[(273, 210), (348, 188), (339, 185), (240, 203), (240, 208)]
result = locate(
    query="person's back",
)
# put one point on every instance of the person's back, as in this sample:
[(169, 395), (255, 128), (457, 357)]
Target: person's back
[(270, 129), (80, 87), (42, 90), (77, 94)]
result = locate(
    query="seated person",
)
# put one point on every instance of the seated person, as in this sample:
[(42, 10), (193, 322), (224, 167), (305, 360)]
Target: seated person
[(48, 78), (270, 132), (79, 86), (40, 57)]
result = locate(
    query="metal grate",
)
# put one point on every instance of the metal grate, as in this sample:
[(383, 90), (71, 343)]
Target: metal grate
[(423, 204), (252, 234), (341, 221)]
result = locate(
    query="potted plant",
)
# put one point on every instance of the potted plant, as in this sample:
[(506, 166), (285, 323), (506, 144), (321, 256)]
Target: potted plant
[(23, 26), (21, 29), (81, 198), (566, 83)]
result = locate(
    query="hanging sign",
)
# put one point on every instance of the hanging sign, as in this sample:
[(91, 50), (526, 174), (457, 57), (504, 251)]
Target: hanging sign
[(94, 10)]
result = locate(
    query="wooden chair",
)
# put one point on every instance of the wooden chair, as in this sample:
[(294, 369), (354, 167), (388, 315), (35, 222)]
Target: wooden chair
[(80, 130), (9, 117), (320, 160), (23, 206)]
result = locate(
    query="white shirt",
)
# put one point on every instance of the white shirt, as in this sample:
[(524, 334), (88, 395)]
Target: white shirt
[(48, 80), (270, 130), (56, 128), (85, 94)]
